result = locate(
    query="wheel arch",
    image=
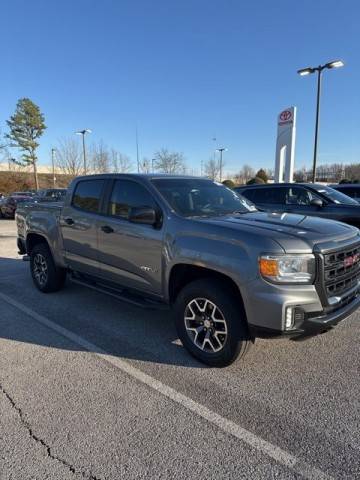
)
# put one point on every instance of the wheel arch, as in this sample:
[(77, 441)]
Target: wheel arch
[(182, 274), (33, 239)]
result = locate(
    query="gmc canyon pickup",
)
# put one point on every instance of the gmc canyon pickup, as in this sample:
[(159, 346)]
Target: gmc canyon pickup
[(229, 272)]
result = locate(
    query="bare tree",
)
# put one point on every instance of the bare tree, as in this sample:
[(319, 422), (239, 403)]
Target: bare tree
[(69, 158), (169, 162), (99, 158), (120, 163), (212, 169), (245, 174)]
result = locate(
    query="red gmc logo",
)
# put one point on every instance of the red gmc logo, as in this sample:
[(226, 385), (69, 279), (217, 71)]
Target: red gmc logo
[(351, 260)]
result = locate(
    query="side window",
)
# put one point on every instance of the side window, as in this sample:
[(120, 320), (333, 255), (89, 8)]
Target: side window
[(299, 196), (351, 192), (87, 195), (248, 193), (269, 195), (126, 195)]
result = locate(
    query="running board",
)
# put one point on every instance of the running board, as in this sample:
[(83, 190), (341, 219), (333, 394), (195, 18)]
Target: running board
[(122, 295)]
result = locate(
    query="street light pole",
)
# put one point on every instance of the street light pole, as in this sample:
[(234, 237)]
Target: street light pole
[(53, 150), (316, 124), (83, 133), (319, 70), (221, 150)]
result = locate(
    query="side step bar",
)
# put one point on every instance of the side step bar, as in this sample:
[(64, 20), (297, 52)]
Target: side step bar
[(122, 295)]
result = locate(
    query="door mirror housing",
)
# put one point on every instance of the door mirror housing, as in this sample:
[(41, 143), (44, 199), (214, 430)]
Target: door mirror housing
[(316, 202), (144, 215)]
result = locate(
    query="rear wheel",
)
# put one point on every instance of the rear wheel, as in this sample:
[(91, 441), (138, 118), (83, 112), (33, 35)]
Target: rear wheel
[(210, 323), (45, 274)]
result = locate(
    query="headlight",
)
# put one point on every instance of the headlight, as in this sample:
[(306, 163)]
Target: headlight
[(288, 268)]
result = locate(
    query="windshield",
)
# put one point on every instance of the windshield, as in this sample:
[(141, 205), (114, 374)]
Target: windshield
[(335, 196), (201, 197)]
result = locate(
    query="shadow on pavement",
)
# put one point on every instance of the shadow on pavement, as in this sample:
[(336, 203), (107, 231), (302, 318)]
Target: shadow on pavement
[(117, 327)]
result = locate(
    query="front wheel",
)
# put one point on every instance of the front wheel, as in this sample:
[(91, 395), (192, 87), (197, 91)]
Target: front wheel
[(210, 323), (46, 275)]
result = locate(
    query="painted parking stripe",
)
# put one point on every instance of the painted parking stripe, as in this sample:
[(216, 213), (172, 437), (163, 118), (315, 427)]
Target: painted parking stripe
[(278, 454)]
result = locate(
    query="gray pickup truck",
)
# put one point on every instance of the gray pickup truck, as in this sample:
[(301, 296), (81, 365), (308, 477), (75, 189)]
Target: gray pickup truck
[(229, 272)]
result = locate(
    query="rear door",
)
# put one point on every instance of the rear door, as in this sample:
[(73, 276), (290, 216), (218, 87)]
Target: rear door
[(79, 226), (130, 254)]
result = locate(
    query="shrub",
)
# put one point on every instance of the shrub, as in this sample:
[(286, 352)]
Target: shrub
[(262, 174), (229, 183), (256, 180)]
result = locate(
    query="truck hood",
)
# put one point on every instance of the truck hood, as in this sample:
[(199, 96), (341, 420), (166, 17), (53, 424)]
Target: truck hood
[(293, 232)]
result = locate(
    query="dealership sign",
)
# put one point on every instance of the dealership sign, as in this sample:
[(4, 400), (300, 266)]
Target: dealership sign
[(285, 145)]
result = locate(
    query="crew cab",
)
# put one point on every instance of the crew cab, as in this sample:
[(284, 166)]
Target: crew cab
[(229, 273)]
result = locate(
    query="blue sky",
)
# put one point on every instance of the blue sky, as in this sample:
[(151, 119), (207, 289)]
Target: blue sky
[(184, 71)]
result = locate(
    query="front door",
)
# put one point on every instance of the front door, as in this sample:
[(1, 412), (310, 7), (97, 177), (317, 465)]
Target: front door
[(130, 254)]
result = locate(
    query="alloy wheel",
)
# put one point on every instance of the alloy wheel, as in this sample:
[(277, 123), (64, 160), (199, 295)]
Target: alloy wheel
[(40, 269), (205, 325)]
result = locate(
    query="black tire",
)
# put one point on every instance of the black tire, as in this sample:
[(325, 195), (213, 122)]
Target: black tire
[(53, 277), (235, 343)]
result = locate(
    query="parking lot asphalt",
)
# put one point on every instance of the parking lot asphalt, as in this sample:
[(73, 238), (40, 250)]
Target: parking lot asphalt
[(94, 388)]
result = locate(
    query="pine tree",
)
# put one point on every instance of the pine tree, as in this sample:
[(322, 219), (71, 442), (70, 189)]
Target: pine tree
[(26, 126)]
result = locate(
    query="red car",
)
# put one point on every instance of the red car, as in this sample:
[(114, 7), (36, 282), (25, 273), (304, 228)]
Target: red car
[(8, 207)]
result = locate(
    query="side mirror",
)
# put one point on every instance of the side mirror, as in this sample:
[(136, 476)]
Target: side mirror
[(316, 202), (144, 215)]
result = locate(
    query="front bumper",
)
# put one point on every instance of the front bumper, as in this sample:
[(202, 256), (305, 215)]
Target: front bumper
[(266, 304)]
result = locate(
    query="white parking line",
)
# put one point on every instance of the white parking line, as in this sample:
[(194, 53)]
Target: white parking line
[(278, 454)]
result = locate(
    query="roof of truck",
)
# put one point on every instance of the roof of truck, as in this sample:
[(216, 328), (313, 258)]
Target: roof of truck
[(147, 176)]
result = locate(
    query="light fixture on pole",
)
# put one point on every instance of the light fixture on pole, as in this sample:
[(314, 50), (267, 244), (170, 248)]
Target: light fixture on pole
[(308, 71), (53, 151), (221, 150), (83, 133)]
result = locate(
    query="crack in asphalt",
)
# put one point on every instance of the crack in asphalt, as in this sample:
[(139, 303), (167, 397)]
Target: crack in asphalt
[(41, 441)]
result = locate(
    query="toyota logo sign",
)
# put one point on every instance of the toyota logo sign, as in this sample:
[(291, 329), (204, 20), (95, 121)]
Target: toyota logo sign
[(285, 116)]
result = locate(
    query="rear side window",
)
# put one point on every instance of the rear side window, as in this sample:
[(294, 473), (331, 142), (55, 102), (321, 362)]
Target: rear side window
[(87, 195), (351, 192), (267, 195), (126, 195), (249, 194)]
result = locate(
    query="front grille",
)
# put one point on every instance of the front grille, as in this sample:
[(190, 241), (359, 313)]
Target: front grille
[(341, 270)]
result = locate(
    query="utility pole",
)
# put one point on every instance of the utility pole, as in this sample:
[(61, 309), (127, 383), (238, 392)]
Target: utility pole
[(53, 150)]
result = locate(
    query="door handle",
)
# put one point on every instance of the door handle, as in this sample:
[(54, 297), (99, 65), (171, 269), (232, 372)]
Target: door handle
[(69, 221), (107, 229)]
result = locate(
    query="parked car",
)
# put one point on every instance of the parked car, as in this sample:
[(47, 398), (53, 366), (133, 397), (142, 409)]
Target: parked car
[(50, 195), (2, 201), (229, 272), (10, 204), (24, 194), (305, 199), (350, 189)]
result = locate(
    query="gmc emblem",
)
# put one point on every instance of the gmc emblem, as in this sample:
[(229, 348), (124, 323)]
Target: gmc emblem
[(349, 261)]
